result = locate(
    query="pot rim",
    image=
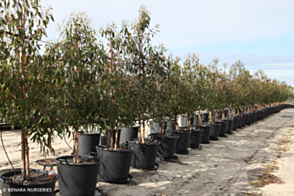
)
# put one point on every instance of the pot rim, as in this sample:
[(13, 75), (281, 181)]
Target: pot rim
[(58, 160), (56, 176)]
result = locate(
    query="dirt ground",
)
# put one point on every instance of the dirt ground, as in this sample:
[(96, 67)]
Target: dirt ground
[(226, 167)]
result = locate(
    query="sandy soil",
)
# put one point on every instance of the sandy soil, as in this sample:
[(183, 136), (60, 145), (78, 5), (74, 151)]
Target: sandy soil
[(222, 167)]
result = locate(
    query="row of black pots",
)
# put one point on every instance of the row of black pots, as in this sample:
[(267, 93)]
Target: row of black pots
[(114, 165), (194, 119)]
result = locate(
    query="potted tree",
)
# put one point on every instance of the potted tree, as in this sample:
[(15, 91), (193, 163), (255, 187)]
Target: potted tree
[(213, 100), (30, 91), (201, 88), (82, 60), (177, 89)]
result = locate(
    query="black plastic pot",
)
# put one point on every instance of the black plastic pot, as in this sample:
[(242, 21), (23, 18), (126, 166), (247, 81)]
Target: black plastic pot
[(248, 121), (204, 117), (109, 136), (170, 125), (243, 120), (183, 141), (144, 154), (27, 189), (167, 146), (222, 132), (235, 123), (240, 122), (195, 138), (127, 133), (220, 114), (115, 165), (194, 120), (154, 127), (229, 126), (214, 131), (87, 143), (77, 178), (206, 133), (184, 120)]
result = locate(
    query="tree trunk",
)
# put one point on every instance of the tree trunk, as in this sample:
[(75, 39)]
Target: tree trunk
[(176, 123), (199, 118), (111, 138), (116, 137), (23, 154), (139, 129), (28, 177), (189, 121), (209, 116), (223, 114), (162, 126), (229, 112), (216, 116), (76, 144), (143, 131)]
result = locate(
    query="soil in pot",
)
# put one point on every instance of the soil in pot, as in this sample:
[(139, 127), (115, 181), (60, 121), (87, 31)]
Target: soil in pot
[(87, 143), (183, 141), (77, 178), (214, 131), (115, 165), (39, 184), (144, 153), (206, 133), (195, 138), (167, 145), (127, 133), (222, 132)]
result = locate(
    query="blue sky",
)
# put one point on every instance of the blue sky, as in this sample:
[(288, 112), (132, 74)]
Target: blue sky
[(260, 33)]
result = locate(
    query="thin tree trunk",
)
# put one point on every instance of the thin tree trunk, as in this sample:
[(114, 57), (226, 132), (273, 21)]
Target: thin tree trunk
[(116, 137), (199, 118), (209, 116), (111, 138), (189, 121), (223, 114), (139, 130), (28, 177), (216, 116), (162, 126), (23, 154), (176, 123), (143, 131), (76, 144), (229, 112)]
